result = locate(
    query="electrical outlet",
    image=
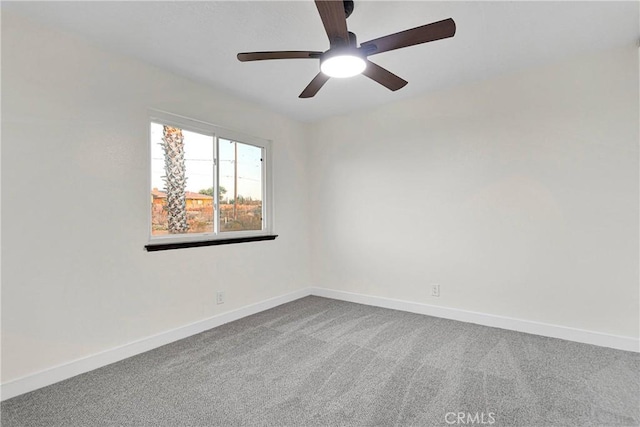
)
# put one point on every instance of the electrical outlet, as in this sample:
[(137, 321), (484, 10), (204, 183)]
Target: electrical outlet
[(435, 290), (220, 298)]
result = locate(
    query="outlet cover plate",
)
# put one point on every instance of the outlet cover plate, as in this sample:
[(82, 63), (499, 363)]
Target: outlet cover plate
[(435, 290)]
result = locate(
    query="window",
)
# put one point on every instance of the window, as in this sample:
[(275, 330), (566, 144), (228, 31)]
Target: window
[(207, 183)]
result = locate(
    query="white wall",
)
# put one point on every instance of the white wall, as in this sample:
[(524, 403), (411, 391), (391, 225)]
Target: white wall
[(76, 279), (519, 196)]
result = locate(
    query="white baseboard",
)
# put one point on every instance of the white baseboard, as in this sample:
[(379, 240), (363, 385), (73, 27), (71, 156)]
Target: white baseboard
[(76, 367), (79, 366), (530, 327)]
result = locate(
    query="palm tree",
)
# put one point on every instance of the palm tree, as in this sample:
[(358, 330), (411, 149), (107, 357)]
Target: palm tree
[(175, 180)]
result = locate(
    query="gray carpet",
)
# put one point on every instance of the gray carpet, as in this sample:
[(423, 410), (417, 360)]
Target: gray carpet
[(321, 362)]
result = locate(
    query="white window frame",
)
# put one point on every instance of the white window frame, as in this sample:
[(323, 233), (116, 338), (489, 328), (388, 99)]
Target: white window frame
[(217, 133)]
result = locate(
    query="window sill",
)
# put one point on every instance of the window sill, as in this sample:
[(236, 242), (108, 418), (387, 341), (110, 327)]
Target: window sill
[(181, 245)]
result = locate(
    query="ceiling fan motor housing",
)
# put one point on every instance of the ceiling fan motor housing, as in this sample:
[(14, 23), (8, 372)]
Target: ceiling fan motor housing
[(339, 42), (343, 60), (350, 49)]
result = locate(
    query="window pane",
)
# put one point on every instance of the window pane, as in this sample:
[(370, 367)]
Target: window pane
[(240, 186), (181, 181)]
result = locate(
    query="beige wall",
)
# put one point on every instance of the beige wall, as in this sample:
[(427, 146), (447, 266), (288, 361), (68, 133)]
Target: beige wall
[(518, 195)]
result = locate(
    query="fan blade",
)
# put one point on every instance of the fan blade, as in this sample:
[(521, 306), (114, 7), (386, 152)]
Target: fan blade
[(283, 54), (383, 76), (334, 21), (426, 33), (315, 85)]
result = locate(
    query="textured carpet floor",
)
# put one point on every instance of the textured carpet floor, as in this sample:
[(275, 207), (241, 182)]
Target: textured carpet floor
[(318, 361)]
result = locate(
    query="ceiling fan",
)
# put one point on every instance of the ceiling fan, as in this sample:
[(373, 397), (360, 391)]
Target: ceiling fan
[(344, 58)]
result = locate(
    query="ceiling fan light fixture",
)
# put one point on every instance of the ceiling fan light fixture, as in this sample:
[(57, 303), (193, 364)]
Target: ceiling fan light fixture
[(343, 65), (344, 58)]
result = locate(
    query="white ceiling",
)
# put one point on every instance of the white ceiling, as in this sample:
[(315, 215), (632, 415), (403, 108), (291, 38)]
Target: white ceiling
[(200, 40)]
